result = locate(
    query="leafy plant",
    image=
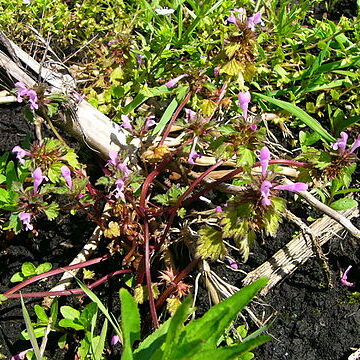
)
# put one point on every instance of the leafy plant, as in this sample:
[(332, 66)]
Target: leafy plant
[(28, 270)]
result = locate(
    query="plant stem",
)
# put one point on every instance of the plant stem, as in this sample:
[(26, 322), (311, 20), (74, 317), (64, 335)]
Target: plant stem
[(69, 292), (55, 272)]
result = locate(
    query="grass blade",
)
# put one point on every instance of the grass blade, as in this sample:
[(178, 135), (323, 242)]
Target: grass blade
[(166, 117), (30, 330), (301, 115)]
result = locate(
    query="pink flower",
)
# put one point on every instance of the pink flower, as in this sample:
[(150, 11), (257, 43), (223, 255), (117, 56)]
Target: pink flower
[(217, 71), (66, 173), (218, 209), (265, 192), (244, 99), (341, 143), (237, 15), (299, 186), (264, 160), (355, 145), (231, 262), (118, 192), (253, 127), (190, 115), (267, 185), (254, 20), (126, 122), (114, 161), (38, 178), (20, 153), (149, 122), (112, 42), (140, 59), (25, 218), (173, 82), (114, 340), (193, 156), (29, 93), (344, 280)]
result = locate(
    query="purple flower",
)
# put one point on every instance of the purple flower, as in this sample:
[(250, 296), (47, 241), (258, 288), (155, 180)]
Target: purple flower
[(344, 280), (114, 161), (218, 209), (112, 42), (244, 99), (355, 145), (78, 97), (164, 11), (114, 340), (267, 185), (66, 173), (254, 20), (38, 179), (25, 218), (265, 192), (341, 144), (173, 82), (217, 71), (118, 192), (126, 122), (231, 262), (299, 186), (20, 153), (140, 59), (190, 115), (253, 127), (193, 156), (29, 93), (264, 160), (149, 122), (237, 15)]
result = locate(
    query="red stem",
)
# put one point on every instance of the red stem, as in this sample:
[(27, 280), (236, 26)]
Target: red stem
[(184, 195), (55, 272), (69, 292), (148, 275)]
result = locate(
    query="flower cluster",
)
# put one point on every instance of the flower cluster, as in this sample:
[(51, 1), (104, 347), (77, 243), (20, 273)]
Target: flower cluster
[(120, 183), (266, 185), (30, 94), (238, 17), (341, 144)]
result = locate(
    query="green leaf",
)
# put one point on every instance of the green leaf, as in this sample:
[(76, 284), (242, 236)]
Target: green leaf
[(62, 341), (152, 343), (344, 204), (17, 277), (231, 352), (72, 160), (211, 326), (69, 313), (41, 314), (210, 244), (71, 324), (87, 315), (2, 179), (42, 268), (11, 174), (301, 115), (130, 322), (176, 327), (101, 342), (101, 306), (52, 211), (165, 118), (30, 330), (28, 269), (38, 332)]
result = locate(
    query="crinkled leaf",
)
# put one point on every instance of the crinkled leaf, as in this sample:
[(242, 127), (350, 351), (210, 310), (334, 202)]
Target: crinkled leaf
[(210, 244), (28, 269)]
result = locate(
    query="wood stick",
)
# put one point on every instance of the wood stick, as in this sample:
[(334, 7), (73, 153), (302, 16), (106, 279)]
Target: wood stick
[(296, 252)]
